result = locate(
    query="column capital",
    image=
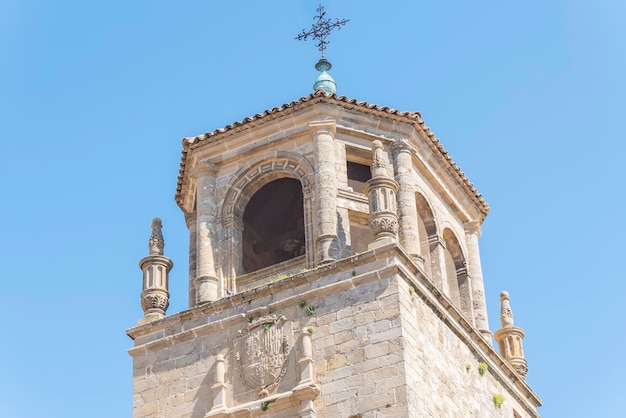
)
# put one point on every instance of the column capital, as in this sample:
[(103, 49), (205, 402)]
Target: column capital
[(190, 218), (323, 125), (437, 240), (204, 168), (400, 145), (473, 227)]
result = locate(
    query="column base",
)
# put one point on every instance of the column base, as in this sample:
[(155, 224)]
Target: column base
[(381, 242)]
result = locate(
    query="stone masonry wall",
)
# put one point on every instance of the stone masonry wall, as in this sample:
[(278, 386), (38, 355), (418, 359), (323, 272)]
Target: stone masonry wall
[(443, 356), (378, 350)]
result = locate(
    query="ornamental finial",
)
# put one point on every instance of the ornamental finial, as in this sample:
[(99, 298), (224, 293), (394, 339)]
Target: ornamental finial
[(506, 314), (321, 29), (156, 242)]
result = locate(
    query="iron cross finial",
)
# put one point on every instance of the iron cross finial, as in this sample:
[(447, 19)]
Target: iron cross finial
[(321, 29)]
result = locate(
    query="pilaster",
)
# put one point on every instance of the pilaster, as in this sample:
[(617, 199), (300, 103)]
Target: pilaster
[(465, 281), (438, 260)]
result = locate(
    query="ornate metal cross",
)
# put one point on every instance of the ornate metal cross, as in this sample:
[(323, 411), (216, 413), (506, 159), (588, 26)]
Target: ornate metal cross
[(321, 29)]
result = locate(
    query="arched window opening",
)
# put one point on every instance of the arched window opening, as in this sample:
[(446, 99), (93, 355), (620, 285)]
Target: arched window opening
[(273, 225), (427, 231), (456, 274), (453, 285)]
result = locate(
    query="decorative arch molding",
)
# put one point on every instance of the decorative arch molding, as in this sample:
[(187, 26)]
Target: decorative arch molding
[(453, 244), (238, 192), (428, 237), (250, 178), (425, 211)]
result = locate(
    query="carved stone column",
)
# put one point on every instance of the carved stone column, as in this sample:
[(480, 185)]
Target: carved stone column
[(206, 282), (408, 233), (190, 220), (155, 267), (381, 191), (323, 135), (472, 232), (510, 337)]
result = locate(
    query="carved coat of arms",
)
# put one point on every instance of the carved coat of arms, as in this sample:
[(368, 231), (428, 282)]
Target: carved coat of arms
[(263, 350)]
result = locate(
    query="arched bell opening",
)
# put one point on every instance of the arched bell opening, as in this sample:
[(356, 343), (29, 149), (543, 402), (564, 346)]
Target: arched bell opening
[(427, 232), (459, 283), (273, 225)]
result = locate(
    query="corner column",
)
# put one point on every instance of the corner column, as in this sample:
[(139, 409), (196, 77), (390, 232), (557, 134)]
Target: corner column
[(206, 282), (190, 220), (472, 232), (323, 134), (408, 232)]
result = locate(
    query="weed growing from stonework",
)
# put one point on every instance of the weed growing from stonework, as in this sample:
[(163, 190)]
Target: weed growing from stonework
[(265, 405), (250, 319), (277, 278), (482, 368), (353, 273), (310, 329), (468, 367), (302, 303), (412, 293), (310, 310), (267, 326), (498, 400)]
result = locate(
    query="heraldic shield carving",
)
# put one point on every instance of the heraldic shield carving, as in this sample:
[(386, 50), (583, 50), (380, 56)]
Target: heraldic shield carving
[(263, 351)]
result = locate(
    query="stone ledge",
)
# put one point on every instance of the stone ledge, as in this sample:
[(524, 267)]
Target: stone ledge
[(278, 402)]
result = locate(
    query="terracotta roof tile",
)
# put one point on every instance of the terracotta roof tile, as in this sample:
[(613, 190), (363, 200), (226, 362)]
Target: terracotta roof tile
[(413, 118)]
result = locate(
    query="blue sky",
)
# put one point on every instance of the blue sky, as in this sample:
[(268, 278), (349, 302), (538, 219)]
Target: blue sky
[(95, 97)]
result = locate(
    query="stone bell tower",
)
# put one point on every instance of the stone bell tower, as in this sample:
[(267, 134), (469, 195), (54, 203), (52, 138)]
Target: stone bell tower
[(334, 271)]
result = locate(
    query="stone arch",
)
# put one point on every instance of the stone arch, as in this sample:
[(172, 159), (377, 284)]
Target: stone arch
[(244, 185), (457, 277)]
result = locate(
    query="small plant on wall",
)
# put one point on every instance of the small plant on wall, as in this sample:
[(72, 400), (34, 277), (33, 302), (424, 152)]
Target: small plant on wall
[(468, 367), (482, 368), (498, 400)]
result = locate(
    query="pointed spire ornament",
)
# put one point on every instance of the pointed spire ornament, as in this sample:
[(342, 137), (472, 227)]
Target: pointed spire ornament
[(510, 337), (156, 267), (319, 31)]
